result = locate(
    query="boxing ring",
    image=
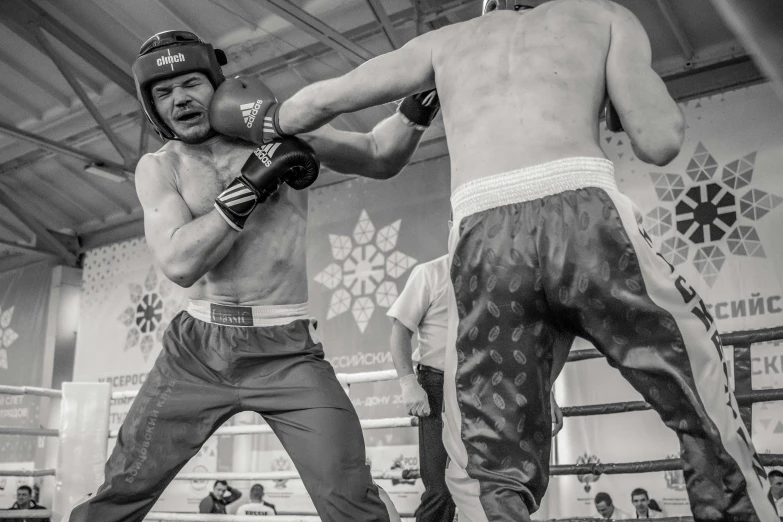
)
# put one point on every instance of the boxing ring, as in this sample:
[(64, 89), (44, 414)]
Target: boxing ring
[(740, 342)]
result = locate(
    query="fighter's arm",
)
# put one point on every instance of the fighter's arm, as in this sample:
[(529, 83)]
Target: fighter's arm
[(383, 79), (381, 153), (648, 113), (185, 248)]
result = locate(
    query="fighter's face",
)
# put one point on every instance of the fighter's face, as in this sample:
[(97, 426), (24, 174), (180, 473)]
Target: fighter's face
[(182, 103), (510, 5), (640, 502), (776, 485)]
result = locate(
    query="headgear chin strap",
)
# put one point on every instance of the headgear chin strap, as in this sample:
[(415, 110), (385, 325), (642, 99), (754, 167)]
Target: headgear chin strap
[(169, 54)]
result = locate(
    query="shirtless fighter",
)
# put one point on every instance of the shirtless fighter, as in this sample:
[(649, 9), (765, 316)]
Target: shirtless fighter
[(218, 220), (544, 245)]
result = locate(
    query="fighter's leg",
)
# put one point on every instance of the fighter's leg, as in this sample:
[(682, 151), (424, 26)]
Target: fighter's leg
[(286, 379), (174, 413), (327, 447), (497, 414), (650, 323), (436, 502)]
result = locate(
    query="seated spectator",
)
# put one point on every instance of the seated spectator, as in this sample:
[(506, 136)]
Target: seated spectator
[(776, 489), (607, 510), (222, 495), (642, 503), (257, 505), (24, 500)]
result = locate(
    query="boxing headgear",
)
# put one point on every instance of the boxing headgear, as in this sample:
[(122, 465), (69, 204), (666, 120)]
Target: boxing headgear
[(169, 54), (502, 5)]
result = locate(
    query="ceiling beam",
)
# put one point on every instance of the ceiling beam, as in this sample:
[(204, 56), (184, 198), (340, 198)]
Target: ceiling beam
[(364, 32), (42, 234), (19, 231), (686, 46), (63, 149), (391, 33), (757, 25), (18, 261), (26, 33), (17, 99), (90, 182), (65, 70), (26, 13), (8, 246), (319, 30), (35, 77)]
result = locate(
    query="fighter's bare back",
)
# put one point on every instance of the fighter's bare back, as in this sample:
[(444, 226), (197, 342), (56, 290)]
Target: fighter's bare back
[(519, 89), (267, 263)]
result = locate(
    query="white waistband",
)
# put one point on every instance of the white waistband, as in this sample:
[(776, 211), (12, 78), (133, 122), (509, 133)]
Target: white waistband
[(538, 181), (237, 315)]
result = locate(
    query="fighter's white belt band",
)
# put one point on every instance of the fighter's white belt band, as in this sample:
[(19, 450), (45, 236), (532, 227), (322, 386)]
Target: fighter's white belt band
[(530, 183), (235, 315)]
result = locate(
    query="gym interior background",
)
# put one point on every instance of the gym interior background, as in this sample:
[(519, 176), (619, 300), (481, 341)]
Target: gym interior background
[(81, 300)]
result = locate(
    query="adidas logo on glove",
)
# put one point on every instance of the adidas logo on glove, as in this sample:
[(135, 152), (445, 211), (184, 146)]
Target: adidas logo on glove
[(250, 111), (265, 153)]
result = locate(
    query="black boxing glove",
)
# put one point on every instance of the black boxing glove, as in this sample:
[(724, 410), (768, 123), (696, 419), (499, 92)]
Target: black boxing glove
[(611, 117), (290, 160), (420, 109)]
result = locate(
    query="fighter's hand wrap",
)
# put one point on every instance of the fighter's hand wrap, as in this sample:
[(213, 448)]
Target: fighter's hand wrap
[(414, 396), (613, 122), (420, 109), (244, 107), (290, 160)]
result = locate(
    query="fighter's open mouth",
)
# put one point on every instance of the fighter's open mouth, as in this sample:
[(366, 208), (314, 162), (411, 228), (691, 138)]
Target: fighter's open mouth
[(189, 116)]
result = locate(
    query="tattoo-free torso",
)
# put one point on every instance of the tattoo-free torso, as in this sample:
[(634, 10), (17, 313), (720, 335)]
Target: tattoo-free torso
[(519, 89), (267, 263)]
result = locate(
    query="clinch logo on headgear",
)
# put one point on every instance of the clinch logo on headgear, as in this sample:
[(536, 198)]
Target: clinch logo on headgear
[(171, 59), (250, 111)]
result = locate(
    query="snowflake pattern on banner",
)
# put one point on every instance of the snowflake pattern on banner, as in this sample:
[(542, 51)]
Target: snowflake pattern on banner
[(707, 211), (153, 305), (363, 270)]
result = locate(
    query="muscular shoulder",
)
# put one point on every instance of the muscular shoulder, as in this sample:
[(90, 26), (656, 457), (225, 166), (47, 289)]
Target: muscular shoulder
[(155, 170)]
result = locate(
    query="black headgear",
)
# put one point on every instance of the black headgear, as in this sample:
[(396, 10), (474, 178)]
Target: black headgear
[(169, 54)]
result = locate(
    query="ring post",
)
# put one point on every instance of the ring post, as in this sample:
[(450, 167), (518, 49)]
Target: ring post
[(84, 428)]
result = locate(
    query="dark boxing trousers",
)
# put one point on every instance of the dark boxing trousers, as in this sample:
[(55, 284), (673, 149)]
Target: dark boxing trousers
[(232, 359), (553, 251)]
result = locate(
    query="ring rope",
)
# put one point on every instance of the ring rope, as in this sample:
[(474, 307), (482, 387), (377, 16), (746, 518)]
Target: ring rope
[(195, 517), (258, 429), (743, 399), (46, 472), (276, 475), (33, 432), (34, 514), (647, 466)]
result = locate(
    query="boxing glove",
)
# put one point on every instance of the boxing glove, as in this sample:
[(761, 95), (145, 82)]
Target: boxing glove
[(612, 118), (290, 160), (420, 109), (243, 107)]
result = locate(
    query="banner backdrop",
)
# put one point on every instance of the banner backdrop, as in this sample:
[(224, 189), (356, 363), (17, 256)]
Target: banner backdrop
[(715, 214), (24, 302)]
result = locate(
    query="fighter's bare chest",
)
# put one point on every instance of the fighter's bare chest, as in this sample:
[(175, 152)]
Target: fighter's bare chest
[(200, 180)]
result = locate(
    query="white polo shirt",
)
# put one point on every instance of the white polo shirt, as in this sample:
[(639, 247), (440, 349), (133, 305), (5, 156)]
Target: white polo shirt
[(255, 508), (423, 308)]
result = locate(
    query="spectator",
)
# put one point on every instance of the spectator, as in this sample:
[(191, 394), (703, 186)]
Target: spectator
[(607, 510), (776, 489), (641, 502), (422, 307), (257, 506), (218, 499), (24, 500)]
